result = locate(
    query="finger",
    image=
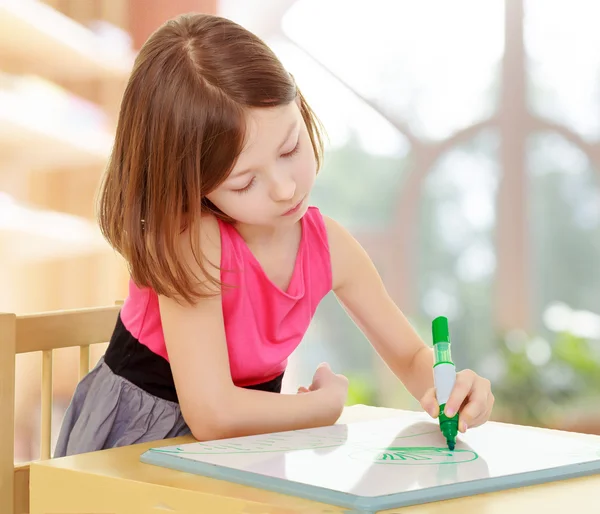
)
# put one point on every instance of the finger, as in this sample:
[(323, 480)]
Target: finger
[(480, 420), (322, 369), (429, 403), (302, 389), (341, 376), (474, 409), (460, 391)]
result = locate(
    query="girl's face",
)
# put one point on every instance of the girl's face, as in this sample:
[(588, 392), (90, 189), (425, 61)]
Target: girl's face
[(273, 176)]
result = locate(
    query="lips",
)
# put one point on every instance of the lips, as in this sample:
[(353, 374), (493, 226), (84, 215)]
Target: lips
[(294, 209)]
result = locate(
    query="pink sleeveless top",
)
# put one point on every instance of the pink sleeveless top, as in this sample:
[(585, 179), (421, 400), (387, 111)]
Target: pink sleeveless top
[(263, 323)]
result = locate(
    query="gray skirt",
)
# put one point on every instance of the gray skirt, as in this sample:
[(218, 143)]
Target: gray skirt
[(108, 411)]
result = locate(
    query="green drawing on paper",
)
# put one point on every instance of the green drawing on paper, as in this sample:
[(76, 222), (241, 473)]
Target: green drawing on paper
[(415, 455)]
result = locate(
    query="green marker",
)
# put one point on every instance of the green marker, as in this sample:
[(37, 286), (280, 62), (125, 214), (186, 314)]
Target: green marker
[(444, 375)]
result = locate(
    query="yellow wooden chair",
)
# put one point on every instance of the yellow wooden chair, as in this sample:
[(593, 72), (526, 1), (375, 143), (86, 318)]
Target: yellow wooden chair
[(43, 332)]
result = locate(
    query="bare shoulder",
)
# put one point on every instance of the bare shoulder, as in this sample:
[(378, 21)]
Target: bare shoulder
[(347, 255), (205, 239), (196, 264), (339, 237)]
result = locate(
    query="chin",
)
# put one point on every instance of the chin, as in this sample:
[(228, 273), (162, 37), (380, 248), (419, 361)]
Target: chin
[(301, 212)]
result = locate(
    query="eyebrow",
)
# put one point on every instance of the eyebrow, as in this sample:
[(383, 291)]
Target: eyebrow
[(287, 136)]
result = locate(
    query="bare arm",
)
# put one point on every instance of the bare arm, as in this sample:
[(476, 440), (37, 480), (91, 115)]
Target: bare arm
[(362, 293), (212, 406)]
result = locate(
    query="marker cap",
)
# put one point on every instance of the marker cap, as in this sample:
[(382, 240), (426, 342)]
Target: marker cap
[(439, 327)]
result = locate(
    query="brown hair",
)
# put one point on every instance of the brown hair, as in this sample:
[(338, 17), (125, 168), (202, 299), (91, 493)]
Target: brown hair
[(181, 128)]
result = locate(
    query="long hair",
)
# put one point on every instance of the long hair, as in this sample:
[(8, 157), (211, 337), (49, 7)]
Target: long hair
[(180, 131)]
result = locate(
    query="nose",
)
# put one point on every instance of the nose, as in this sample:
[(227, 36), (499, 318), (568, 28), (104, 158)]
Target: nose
[(283, 189)]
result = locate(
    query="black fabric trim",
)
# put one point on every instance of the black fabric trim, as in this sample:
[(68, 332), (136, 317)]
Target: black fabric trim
[(135, 362)]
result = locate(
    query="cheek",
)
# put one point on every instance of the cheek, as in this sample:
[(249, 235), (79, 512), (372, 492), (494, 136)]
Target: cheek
[(306, 170), (223, 201), (242, 207)]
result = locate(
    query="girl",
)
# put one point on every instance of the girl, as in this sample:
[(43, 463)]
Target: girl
[(206, 197)]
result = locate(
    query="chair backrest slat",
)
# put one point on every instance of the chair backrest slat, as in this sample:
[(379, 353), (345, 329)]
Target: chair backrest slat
[(84, 360), (46, 428)]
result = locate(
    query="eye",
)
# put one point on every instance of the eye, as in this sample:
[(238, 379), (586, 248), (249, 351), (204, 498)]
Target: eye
[(293, 152), (246, 188)]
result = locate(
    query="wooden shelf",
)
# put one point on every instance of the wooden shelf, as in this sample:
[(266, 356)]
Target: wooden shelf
[(41, 38), (28, 234), (33, 137)]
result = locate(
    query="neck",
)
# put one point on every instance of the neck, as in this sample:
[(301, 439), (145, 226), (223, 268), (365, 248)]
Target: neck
[(264, 234)]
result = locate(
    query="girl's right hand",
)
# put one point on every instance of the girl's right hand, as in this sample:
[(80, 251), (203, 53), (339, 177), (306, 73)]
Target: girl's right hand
[(333, 386)]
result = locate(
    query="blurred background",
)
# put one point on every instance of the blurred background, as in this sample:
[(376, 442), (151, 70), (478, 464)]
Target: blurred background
[(463, 152)]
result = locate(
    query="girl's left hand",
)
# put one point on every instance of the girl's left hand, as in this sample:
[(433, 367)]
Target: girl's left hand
[(471, 397)]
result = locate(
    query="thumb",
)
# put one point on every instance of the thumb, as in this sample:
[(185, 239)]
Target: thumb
[(321, 373), (322, 368), (429, 403)]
